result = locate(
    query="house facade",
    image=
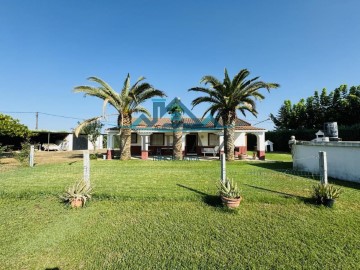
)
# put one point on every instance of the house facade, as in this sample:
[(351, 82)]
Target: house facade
[(154, 136)]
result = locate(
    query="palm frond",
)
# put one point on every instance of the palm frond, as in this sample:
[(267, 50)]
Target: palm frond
[(238, 78), (200, 100), (78, 129), (208, 79), (106, 101), (227, 81), (150, 93), (212, 109), (208, 91), (104, 91), (126, 86), (139, 80), (141, 109), (100, 81)]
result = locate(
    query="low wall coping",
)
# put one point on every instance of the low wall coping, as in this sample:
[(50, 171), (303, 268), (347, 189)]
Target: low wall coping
[(331, 144)]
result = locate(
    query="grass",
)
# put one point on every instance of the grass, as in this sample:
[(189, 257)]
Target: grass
[(166, 215)]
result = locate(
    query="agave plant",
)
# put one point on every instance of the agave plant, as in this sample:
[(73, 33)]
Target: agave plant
[(229, 189), (323, 192), (80, 191), (332, 192)]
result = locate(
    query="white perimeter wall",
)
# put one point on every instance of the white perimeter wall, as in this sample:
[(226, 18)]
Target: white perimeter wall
[(343, 158)]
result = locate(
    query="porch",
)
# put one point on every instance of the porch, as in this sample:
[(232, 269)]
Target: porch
[(160, 143)]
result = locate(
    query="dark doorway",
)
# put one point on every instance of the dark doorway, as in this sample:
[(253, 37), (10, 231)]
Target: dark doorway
[(80, 143), (191, 143), (251, 142)]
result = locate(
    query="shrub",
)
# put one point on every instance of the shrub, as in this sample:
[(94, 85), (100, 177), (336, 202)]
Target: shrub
[(2, 149), (93, 156), (24, 154)]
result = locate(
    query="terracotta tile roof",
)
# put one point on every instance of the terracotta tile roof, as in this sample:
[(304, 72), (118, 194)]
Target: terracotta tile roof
[(248, 128), (189, 123)]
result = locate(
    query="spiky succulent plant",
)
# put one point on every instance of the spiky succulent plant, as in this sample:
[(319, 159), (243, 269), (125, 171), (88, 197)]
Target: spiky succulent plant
[(322, 192), (229, 189), (80, 190)]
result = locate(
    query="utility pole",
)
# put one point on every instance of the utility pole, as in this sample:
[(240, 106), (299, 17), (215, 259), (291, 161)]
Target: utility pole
[(37, 120)]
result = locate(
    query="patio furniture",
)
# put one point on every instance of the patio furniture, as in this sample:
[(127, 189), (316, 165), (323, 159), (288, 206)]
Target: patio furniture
[(210, 150), (191, 157), (166, 151)]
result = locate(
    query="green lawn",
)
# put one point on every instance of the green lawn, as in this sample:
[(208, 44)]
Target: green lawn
[(166, 215)]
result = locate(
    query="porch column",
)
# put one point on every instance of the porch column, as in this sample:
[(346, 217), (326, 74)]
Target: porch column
[(145, 141), (183, 143), (241, 143), (221, 142), (110, 145), (261, 145)]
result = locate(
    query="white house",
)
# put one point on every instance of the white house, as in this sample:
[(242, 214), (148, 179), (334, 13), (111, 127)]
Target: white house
[(154, 136)]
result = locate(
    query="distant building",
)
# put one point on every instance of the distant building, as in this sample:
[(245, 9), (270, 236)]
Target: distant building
[(65, 141)]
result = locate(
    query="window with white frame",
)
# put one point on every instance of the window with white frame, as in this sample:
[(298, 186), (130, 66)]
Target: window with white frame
[(133, 138), (157, 139), (213, 139)]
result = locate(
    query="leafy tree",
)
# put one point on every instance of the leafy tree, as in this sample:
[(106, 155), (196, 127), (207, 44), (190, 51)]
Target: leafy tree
[(12, 127), (341, 105), (93, 130), (126, 102), (229, 96)]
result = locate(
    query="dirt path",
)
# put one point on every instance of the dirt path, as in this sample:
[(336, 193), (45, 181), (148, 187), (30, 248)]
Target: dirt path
[(44, 157)]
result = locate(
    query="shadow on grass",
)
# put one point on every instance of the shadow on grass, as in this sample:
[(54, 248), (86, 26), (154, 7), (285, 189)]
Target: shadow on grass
[(344, 183), (211, 200), (286, 168), (273, 165), (286, 195), (71, 163), (76, 156)]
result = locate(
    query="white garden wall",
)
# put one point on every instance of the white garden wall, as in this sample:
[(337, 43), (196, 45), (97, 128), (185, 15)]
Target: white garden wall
[(343, 158)]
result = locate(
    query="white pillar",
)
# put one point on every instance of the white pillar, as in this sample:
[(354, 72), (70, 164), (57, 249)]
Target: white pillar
[(221, 141), (99, 142), (183, 141), (110, 143), (261, 145), (223, 167), (31, 158), (145, 141), (86, 158), (70, 139), (323, 168), (261, 142)]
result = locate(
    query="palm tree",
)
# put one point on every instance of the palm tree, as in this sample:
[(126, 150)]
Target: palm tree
[(126, 102), (227, 97), (177, 121)]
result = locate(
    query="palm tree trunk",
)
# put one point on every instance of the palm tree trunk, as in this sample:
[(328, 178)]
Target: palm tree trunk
[(125, 138), (229, 136), (177, 142)]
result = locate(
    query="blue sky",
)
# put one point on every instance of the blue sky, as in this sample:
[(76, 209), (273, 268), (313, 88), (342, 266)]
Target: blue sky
[(49, 47)]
